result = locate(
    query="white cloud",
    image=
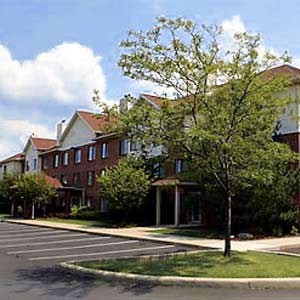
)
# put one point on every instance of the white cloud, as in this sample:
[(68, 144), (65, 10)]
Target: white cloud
[(233, 25), (67, 73), (14, 134)]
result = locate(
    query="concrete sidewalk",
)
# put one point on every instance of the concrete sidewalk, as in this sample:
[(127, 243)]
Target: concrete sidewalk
[(146, 233)]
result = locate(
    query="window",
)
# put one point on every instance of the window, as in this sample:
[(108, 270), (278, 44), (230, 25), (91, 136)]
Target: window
[(90, 202), (64, 179), (65, 158), (78, 153), (102, 204), (179, 166), (55, 161), (4, 169), (102, 172), (92, 153), (45, 163), (76, 179), (158, 170), (34, 164), (90, 178), (124, 147), (27, 166), (104, 150)]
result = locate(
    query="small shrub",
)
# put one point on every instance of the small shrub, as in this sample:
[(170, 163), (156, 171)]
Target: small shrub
[(89, 215), (277, 231), (294, 230), (19, 211)]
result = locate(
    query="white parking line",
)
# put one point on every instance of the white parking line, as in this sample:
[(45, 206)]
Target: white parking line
[(25, 234), (55, 242), (44, 237), (74, 247), (101, 253), (25, 230)]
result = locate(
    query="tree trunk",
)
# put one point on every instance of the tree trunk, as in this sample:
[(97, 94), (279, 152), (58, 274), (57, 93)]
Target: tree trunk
[(227, 250)]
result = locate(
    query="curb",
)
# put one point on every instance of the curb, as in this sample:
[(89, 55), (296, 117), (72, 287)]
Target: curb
[(243, 283)]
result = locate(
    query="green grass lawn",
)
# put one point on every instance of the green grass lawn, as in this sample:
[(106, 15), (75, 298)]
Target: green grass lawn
[(89, 223), (195, 232), (207, 265), (96, 223), (4, 216)]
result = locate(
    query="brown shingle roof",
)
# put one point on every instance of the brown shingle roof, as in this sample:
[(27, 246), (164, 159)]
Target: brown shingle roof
[(158, 101), (96, 121), (16, 157), (53, 181), (42, 143)]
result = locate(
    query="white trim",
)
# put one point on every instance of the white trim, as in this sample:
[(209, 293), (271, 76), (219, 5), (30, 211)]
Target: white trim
[(142, 96)]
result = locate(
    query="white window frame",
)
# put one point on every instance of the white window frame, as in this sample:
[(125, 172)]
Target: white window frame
[(92, 178), (125, 147), (65, 158), (78, 159), (56, 161), (178, 166), (104, 150), (91, 153)]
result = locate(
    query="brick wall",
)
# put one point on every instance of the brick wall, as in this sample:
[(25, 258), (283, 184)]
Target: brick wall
[(85, 165)]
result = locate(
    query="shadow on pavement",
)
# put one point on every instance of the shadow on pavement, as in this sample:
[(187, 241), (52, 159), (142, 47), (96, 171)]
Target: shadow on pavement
[(56, 281)]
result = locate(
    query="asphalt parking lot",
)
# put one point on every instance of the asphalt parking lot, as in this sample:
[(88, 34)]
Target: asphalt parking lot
[(51, 246)]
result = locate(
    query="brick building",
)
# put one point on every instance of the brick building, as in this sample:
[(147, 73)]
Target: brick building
[(82, 150)]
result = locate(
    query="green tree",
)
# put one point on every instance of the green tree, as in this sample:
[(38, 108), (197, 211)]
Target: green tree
[(226, 103), (7, 190), (125, 186), (34, 190)]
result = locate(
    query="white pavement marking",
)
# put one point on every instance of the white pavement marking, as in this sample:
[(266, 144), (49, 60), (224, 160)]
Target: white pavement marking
[(45, 237), (101, 253), (25, 234), (74, 247), (27, 230), (55, 242)]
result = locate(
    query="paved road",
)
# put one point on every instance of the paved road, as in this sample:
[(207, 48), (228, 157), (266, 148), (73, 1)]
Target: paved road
[(28, 269)]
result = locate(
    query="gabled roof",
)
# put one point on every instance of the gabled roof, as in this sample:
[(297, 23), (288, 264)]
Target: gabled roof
[(40, 144), (284, 69), (43, 143), (156, 101), (95, 122), (16, 157)]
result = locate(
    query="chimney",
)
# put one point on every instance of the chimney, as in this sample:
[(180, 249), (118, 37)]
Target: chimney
[(60, 129), (123, 106)]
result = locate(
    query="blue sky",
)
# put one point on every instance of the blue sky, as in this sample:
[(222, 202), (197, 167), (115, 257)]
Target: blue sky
[(54, 52)]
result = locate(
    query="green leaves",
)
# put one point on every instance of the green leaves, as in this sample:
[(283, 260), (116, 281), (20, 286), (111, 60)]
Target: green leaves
[(125, 186)]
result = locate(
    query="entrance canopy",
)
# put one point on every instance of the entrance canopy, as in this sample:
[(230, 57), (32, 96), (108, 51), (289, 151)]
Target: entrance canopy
[(169, 182)]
